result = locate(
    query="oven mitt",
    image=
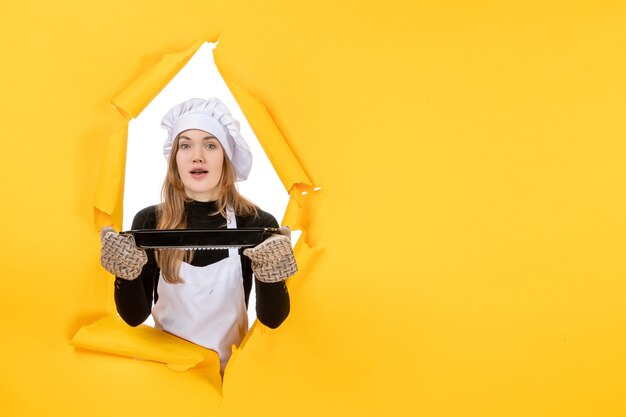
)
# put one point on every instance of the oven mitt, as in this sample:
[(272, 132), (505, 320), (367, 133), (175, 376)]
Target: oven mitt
[(272, 259), (120, 256)]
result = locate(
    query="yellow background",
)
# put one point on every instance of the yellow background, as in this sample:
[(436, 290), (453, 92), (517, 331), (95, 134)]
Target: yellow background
[(471, 216)]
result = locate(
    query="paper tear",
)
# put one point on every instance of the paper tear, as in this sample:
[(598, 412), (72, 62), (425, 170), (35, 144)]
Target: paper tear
[(110, 185), (112, 335), (279, 152), (305, 253), (109, 194), (140, 93)]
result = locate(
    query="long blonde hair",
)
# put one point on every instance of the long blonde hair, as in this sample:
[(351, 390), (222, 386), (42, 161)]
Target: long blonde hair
[(172, 215)]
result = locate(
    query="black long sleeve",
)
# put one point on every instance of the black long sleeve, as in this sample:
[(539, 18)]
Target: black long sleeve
[(134, 299)]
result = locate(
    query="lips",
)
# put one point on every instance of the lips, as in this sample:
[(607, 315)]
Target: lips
[(198, 172)]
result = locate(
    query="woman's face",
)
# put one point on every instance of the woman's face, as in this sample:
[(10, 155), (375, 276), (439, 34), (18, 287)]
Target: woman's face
[(200, 158)]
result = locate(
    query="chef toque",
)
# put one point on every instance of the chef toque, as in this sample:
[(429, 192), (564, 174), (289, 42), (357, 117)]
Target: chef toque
[(211, 116)]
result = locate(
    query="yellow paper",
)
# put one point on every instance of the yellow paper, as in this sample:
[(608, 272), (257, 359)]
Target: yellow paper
[(471, 216), (138, 95), (110, 186), (112, 335), (273, 142)]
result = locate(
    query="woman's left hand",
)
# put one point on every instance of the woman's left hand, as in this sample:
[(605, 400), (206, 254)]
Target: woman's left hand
[(272, 259)]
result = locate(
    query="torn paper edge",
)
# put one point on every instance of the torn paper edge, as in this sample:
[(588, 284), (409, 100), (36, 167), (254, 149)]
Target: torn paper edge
[(131, 101)]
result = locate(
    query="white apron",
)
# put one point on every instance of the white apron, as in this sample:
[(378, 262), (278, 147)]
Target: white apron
[(209, 308)]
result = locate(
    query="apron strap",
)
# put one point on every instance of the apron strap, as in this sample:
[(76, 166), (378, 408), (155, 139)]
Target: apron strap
[(231, 223)]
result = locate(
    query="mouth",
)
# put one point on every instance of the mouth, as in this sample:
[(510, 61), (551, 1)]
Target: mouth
[(198, 172)]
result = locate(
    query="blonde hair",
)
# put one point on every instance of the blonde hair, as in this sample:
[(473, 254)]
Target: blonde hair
[(172, 215)]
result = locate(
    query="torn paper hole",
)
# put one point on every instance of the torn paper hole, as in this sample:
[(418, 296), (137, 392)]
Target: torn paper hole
[(146, 165)]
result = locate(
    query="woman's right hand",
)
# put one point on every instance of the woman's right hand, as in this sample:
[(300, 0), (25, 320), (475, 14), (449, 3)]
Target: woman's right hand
[(119, 255)]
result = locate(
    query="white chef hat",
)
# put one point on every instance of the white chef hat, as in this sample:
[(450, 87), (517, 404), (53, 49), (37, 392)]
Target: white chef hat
[(213, 117)]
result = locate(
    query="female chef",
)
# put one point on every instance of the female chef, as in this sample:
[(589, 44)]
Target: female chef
[(202, 295)]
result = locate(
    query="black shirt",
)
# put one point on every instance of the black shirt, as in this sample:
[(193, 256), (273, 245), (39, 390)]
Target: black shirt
[(134, 299)]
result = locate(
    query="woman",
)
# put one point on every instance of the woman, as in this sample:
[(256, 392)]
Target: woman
[(201, 296)]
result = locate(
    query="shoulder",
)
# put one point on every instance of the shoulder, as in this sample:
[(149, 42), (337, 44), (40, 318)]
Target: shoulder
[(146, 218), (262, 219)]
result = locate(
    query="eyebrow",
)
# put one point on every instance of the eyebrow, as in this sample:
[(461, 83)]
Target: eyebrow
[(204, 138)]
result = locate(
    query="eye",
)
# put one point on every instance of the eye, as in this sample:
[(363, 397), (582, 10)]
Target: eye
[(211, 146), (184, 146)]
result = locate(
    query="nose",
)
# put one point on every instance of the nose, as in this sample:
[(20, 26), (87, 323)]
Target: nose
[(197, 156)]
